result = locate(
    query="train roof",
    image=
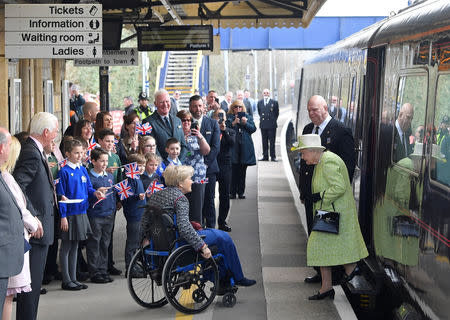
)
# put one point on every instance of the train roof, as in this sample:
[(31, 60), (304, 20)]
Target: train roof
[(411, 23)]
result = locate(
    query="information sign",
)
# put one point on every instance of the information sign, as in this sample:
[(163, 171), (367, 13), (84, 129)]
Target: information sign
[(122, 57), (53, 31)]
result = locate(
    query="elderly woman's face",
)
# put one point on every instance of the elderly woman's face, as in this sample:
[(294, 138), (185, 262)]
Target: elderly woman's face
[(311, 156), (186, 185)]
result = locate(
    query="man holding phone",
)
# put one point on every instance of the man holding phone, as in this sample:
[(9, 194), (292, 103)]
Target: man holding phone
[(209, 129), (212, 102)]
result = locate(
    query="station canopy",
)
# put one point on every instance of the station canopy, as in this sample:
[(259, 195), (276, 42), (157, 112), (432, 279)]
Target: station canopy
[(220, 14)]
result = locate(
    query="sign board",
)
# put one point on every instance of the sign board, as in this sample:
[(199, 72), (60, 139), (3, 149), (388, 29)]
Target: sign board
[(65, 31), (177, 38), (122, 57)]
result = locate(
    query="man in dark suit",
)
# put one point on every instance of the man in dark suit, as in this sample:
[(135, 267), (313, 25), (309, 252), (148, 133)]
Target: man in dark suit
[(336, 138), (209, 128), (268, 111), (11, 226), (165, 126), (225, 104), (174, 103), (33, 175), (402, 132), (247, 104)]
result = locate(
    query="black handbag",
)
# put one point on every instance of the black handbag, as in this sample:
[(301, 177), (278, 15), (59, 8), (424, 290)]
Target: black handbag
[(326, 221)]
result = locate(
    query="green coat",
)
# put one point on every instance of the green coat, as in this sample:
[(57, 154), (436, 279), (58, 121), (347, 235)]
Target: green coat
[(326, 249)]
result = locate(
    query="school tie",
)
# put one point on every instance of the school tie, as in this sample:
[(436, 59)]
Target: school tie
[(166, 120), (317, 130)]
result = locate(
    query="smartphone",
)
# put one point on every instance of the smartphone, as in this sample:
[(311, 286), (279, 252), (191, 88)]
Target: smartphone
[(217, 100), (220, 118), (241, 114), (194, 125)]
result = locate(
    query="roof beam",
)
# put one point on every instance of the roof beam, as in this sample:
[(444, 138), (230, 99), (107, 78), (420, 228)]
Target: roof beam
[(285, 5)]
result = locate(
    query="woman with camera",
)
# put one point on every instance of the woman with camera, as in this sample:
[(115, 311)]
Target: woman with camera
[(243, 151), (197, 149)]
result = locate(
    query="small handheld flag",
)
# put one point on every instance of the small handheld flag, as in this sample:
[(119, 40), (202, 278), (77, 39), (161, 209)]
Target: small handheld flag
[(201, 181), (154, 187), (143, 129), (124, 190), (132, 170)]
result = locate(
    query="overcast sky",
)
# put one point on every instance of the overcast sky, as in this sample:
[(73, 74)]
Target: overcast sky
[(361, 7)]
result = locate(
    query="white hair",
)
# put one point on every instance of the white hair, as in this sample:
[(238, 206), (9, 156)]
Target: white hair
[(42, 121), (160, 92)]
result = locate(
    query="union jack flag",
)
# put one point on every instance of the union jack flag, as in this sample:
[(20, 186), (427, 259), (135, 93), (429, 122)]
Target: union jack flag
[(154, 187), (132, 170), (116, 141), (101, 199), (201, 181), (56, 181), (124, 190), (91, 146), (143, 129), (62, 163)]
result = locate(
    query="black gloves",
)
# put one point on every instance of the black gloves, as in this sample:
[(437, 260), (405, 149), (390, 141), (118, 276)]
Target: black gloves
[(316, 197)]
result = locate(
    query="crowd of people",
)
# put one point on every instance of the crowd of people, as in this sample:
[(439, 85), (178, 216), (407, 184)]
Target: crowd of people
[(60, 201)]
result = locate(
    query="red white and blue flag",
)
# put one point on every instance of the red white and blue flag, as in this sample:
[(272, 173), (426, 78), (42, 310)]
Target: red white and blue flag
[(124, 190), (62, 163), (154, 187), (56, 181), (92, 146), (132, 170), (201, 181), (143, 129)]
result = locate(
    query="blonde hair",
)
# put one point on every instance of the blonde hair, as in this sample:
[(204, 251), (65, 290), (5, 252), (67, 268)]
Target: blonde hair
[(152, 157), (235, 104), (173, 175), (143, 140), (136, 157), (14, 152)]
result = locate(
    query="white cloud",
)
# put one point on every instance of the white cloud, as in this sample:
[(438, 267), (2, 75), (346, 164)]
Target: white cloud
[(361, 7)]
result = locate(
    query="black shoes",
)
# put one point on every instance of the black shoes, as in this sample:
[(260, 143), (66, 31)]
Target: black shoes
[(314, 279), (244, 282), (98, 279), (349, 277), (241, 196), (225, 227), (321, 296), (114, 271), (232, 196), (82, 276), (81, 285), (263, 159), (274, 160), (70, 286), (107, 278), (44, 291)]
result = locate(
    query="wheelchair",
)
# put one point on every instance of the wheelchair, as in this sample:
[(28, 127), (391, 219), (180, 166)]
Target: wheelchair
[(168, 270)]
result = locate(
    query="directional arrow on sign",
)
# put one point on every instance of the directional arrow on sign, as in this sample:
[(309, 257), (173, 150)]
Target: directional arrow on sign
[(132, 52), (132, 61)]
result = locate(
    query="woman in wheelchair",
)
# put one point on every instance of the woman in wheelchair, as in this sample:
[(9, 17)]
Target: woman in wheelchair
[(172, 200)]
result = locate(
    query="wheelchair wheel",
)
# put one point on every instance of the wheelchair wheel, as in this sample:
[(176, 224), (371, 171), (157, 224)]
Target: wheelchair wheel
[(190, 282), (144, 281), (229, 300)]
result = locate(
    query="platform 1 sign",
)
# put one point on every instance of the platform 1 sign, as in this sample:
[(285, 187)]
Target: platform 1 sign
[(65, 31), (122, 57)]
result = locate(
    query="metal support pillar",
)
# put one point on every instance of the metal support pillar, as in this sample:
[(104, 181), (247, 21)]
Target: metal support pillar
[(225, 65), (104, 90), (255, 67)]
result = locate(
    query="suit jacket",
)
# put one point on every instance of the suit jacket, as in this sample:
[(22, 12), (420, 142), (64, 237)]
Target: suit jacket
[(399, 148), (336, 138), (161, 133), (248, 107), (173, 107), (11, 233), (226, 147), (34, 177), (224, 106), (268, 115), (209, 128)]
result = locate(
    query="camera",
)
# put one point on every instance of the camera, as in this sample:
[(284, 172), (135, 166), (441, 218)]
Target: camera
[(241, 114), (217, 99), (220, 118)]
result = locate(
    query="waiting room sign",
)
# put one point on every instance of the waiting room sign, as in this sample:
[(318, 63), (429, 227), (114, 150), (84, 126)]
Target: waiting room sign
[(65, 31)]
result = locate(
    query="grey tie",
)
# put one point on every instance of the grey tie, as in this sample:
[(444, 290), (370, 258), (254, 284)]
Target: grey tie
[(317, 130), (166, 120)]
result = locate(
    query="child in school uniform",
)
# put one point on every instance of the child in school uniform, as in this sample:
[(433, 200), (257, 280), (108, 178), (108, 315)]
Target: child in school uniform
[(101, 218), (152, 162), (173, 148), (133, 207), (74, 183)]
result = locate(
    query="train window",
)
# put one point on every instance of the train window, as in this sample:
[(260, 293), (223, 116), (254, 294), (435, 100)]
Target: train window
[(334, 100), (352, 106), (344, 99), (410, 120), (440, 161)]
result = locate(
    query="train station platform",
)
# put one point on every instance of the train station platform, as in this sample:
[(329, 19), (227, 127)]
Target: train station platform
[(271, 240)]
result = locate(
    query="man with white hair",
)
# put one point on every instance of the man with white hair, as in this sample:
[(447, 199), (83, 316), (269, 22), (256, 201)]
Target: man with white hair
[(33, 175), (11, 226), (165, 125)]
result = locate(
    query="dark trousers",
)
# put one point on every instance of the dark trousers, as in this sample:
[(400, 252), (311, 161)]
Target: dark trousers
[(97, 245), (268, 137), (27, 302), (196, 198), (110, 247), (3, 287), (132, 242), (209, 209), (238, 172), (224, 179), (51, 267)]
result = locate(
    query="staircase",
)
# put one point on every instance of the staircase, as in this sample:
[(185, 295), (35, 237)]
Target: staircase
[(180, 70)]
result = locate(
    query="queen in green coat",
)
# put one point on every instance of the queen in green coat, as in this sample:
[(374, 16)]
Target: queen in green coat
[(331, 187)]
